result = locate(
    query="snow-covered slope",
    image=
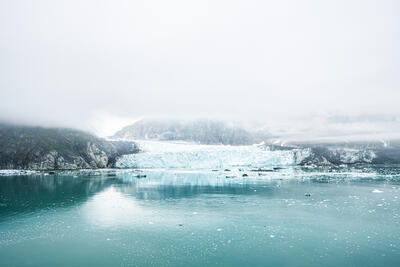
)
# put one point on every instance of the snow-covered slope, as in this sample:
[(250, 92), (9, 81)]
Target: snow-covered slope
[(185, 155)]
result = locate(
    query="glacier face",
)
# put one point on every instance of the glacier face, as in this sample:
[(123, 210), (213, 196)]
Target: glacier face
[(186, 155)]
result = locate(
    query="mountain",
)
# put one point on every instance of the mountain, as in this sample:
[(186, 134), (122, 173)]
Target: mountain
[(38, 148), (332, 153), (352, 153), (200, 131)]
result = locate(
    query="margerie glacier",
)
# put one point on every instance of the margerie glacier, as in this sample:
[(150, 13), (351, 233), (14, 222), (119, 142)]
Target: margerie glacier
[(184, 155)]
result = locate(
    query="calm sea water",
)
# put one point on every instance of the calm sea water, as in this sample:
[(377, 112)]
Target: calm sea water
[(202, 218)]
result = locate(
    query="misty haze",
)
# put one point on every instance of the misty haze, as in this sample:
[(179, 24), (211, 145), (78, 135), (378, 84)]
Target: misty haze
[(199, 133)]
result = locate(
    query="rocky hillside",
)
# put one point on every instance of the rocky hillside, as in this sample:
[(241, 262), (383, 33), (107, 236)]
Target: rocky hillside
[(353, 153), (37, 148), (200, 131)]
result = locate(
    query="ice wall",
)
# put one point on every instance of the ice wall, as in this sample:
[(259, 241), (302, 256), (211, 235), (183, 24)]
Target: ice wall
[(193, 156)]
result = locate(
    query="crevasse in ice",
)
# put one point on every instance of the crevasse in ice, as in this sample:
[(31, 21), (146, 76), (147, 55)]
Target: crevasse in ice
[(185, 155)]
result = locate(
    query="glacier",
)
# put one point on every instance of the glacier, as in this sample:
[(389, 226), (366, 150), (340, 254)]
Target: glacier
[(158, 154)]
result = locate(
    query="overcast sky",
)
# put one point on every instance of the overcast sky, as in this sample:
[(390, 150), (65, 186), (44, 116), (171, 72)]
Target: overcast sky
[(97, 65)]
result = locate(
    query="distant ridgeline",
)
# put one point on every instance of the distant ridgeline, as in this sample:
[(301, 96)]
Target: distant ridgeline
[(200, 131), (37, 148)]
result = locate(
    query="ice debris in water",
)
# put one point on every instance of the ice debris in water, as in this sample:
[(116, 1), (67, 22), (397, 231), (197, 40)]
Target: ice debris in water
[(16, 172), (76, 173), (377, 191), (185, 155)]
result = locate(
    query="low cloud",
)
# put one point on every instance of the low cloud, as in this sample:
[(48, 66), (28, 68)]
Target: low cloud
[(283, 64)]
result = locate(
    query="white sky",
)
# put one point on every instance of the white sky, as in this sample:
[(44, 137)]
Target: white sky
[(79, 63)]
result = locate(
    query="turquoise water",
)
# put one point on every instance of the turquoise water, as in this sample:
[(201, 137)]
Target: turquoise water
[(202, 218)]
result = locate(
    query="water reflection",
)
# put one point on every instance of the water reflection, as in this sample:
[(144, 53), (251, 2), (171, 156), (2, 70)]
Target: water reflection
[(27, 194), (174, 185), (201, 218), (111, 207)]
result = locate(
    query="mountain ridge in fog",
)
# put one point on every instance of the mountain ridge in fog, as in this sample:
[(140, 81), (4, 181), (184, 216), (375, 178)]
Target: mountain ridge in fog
[(199, 131), (39, 148), (319, 129)]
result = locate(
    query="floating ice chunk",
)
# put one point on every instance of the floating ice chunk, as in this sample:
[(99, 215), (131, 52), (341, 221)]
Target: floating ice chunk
[(377, 191)]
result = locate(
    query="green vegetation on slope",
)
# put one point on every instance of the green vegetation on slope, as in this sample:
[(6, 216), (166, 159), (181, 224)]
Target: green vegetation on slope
[(24, 147)]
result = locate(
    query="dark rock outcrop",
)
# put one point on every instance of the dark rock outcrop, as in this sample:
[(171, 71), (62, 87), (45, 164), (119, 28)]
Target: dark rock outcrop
[(37, 148)]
